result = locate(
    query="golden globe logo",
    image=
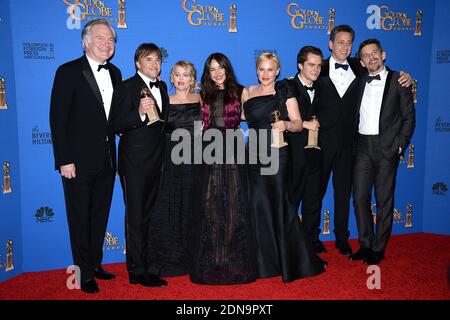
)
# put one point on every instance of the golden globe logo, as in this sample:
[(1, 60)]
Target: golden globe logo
[(305, 18), (111, 243), (94, 8), (383, 18), (80, 10), (205, 15)]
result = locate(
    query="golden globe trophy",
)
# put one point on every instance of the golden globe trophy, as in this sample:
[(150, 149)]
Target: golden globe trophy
[(232, 27), (419, 15), (331, 20), (6, 178), (152, 114), (373, 208), (397, 216), (277, 136), (410, 163), (121, 23), (326, 222), (313, 137), (408, 222), (3, 104), (9, 256), (414, 90)]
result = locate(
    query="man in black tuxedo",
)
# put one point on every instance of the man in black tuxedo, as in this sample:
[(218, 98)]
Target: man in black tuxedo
[(385, 124), (84, 146), (336, 111), (140, 156), (336, 114), (307, 163)]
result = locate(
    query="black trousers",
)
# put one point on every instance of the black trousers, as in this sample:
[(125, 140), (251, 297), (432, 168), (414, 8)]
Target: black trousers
[(139, 192), (307, 192), (88, 200), (339, 162), (372, 170)]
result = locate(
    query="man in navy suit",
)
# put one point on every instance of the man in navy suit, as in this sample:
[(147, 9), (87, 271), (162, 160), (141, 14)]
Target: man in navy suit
[(84, 146), (140, 156), (385, 124)]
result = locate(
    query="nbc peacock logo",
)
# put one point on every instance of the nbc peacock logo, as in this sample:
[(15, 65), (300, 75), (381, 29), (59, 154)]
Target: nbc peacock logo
[(439, 189), (44, 215)]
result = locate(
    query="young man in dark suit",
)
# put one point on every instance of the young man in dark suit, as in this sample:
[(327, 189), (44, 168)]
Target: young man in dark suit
[(307, 163), (339, 84), (140, 156), (84, 146), (385, 124)]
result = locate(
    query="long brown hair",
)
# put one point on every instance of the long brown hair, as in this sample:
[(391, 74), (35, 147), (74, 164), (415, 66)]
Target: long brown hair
[(209, 92)]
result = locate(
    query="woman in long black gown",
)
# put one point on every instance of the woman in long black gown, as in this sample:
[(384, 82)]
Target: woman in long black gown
[(168, 250), (222, 242), (282, 245)]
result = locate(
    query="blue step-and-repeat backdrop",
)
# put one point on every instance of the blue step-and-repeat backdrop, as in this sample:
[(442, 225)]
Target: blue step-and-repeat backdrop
[(38, 36)]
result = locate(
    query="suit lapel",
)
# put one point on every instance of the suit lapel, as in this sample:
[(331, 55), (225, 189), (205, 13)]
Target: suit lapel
[(87, 72), (360, 95), (112, 75), (353, 63), (314, 102), (164, 101), (386, 90), (325, 77), (115, 81), (351, 86)]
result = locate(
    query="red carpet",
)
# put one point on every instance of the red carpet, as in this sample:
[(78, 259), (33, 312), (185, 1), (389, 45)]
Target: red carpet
[(416, 266)]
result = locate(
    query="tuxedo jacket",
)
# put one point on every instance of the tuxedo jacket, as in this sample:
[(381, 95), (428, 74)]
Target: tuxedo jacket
[(81, 133), (141, 146), (397, 115), (335, 114), (298, 140)]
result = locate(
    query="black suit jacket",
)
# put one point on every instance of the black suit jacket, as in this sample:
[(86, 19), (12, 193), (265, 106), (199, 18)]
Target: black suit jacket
[(81, 133), (335, 114), (140, 146), (298, 140), (397, 115)]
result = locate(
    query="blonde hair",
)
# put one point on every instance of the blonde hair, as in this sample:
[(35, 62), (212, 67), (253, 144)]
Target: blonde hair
[(189, 67), (268, 56)]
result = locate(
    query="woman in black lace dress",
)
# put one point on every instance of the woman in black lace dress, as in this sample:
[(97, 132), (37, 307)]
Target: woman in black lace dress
[(168, 251), (282, 245), (222, 241)]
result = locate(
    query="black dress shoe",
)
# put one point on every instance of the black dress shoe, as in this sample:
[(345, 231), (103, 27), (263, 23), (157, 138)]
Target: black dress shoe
[(149, 280), (361, 254), (343, 247), (102, 274), (90, 286), (319, 247), (374, 257)]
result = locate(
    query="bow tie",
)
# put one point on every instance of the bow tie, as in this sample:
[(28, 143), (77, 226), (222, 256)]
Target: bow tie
[(103, 66), (309, 88), (154, 84), (340, 65), (370, 78)]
